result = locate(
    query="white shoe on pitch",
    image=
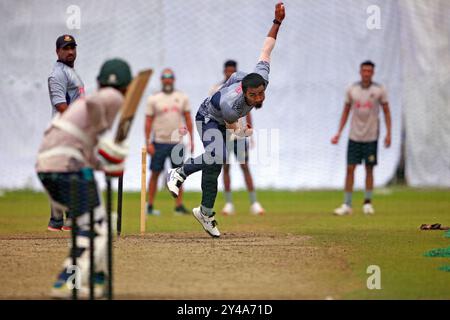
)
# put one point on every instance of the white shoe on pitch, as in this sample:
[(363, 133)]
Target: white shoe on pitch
[(343, 210), (174, 182), (208, 223), (228, 209), (256, 209), (64, 292), (368, 209)]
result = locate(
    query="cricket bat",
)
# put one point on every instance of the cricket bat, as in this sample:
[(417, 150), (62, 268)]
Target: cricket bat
[(132, 99)]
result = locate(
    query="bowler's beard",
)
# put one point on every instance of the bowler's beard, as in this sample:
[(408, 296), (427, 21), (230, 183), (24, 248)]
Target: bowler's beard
[(68, 63), (167, 88), (257, 106)]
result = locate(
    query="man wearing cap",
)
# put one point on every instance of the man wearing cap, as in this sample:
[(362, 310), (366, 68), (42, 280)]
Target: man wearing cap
[(240, 147), (64, 86), (72, 148), (168, 117)]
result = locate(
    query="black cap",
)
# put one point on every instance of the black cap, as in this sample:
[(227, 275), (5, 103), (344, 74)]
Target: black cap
[(65, 40)]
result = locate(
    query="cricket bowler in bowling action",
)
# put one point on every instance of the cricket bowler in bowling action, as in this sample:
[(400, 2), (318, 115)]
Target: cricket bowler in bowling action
[(240, 148), (71, 150), (217, 119)]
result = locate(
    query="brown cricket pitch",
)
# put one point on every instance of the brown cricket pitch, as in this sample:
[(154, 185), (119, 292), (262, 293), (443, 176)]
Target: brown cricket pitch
[(239, 265)]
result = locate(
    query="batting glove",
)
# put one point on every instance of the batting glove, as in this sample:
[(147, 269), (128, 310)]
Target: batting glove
[(112, 157)]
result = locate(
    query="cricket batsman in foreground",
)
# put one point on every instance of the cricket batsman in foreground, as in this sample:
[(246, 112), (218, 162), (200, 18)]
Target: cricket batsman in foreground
[(70, 152), (217, 119)]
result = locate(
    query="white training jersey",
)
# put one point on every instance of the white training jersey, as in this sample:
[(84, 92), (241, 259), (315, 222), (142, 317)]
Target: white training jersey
[(167, 110), (70, 142), (365, 107)]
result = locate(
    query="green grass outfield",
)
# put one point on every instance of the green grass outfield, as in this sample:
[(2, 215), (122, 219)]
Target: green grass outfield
[(390, 239)]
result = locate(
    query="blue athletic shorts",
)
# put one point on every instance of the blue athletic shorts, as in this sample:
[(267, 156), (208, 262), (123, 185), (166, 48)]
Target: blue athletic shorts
[(175, 152), (359, 151)]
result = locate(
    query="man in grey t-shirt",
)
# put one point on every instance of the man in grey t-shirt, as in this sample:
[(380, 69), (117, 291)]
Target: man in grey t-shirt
[(64, 84), (364, 99), (64, 87), (217, 118)]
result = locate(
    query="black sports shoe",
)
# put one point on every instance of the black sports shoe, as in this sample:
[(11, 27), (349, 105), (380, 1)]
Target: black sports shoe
[(181, 209), (55, 225), (152, 212)]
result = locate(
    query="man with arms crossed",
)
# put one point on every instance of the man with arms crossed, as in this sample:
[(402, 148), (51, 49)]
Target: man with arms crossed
[(364, 99), (165, 113), (64, 86), (216, 118)]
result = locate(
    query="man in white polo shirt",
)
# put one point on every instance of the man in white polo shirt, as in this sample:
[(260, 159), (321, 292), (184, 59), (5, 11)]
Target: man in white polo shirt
[(168, 117), (364, 99)]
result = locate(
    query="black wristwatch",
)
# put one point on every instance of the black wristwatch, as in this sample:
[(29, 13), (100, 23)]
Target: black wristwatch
[(276, 21)]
